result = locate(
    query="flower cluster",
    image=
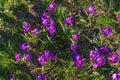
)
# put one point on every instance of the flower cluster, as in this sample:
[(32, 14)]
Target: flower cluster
[(43, 59), (26, 27), (26, 56), (50, 25), (78, 60), (97, 56)]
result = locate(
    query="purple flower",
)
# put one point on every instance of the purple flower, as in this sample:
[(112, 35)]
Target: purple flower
[(42, 60), (28, 56), (52, 23), (74, 56), (12, 78), (48, 54), (75, 37), (91, 9), (115, 76), (41, 77), (51, 28), (113, 58), (74, 47), (24, 46), (26, 27), (36, 31), (107, 31), (99, 62), (94, 55), (55, 57), (78, 60), (69, 21), (18, 56), (45, 23), (52, 6), (118, 18), (104, 50), (45, 16)]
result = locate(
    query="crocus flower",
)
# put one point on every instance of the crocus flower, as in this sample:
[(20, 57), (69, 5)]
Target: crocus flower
[(74, 47), (51, 28), (48, 54), (115, 76), (113, 58), (94, 55), (18, 56), (104, 50), (75, 37), (36, 31), (12, 78), (52, 23), (69, 21), (78, 60), (26, 27), (41, 77), (99, 62), (52, 6), (42, 60), (45, 23), (45, 16), (118, 18), (91, 9), (24, 46), (107, 31), (28, 56)]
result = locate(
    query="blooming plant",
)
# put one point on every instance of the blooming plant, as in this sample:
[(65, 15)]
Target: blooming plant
[(59, 40)]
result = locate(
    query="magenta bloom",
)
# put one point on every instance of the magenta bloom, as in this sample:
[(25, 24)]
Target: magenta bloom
[(51, 28), (91, 9), (78, 60), (45, 16), (42, 60), (113, 58), (26, 27), (107, 31), (24, 46), (28, 56), (18, 56), (12, 78), (118, 18), (75, 37), (74, 47), (48, 54), (41, 77), (69, 21), (36, 31), (115, 76), (104, 50), (45, 23), (94, 55), (52, 6), (99, 62)]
